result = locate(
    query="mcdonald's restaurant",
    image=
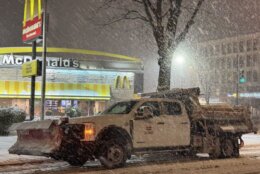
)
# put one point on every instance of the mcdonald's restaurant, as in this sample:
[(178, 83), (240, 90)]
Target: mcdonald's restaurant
[(87, 84)]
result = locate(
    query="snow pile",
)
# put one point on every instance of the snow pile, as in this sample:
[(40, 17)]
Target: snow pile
[(6, 158)]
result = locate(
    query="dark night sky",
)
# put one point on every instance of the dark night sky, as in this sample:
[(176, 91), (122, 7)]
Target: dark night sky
[(70, 27)]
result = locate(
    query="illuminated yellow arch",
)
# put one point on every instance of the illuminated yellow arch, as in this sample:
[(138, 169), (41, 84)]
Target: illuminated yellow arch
[(122, 83), (31, 9), (10, 50), (126, 83), (117, 82)]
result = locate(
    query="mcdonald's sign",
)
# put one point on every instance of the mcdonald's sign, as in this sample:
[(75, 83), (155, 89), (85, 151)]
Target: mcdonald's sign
[(32, 20), (122, 83)]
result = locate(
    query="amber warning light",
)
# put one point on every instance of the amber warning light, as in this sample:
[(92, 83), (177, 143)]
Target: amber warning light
[(89, 132)]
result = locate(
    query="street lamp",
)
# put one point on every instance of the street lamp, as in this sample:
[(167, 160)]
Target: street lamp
[(179, 60)]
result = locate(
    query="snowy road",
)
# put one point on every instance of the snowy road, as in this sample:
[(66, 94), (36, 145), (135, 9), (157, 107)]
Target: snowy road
[(249, 163)]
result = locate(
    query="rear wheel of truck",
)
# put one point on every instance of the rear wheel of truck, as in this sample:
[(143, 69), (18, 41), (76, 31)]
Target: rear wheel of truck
[(229, 148), (113, 154), (216, 151)]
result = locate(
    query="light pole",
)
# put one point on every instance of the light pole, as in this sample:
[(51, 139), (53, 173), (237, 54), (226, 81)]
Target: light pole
[(238, 77), (44, 53)]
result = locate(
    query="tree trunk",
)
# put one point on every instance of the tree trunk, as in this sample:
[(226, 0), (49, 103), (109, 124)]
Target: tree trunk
[(164, 79)]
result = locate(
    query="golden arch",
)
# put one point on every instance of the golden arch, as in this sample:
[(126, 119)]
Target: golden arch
[(32, 8), (122, 83)]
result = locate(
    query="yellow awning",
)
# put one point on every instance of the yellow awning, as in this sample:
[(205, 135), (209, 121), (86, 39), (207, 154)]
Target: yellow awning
[(77, 91)]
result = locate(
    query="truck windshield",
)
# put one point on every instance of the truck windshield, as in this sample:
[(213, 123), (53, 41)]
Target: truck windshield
[(120, 108)]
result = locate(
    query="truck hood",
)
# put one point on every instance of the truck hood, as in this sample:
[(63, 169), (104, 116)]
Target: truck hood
[(101, 119)]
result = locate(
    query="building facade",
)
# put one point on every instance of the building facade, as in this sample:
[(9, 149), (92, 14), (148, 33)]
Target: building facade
[(87, 84), (225, 61)]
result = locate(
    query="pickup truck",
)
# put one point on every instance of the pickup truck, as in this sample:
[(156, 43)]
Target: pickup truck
[(168, 121)]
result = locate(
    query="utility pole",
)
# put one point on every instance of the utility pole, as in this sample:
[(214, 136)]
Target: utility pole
[(44, 53)]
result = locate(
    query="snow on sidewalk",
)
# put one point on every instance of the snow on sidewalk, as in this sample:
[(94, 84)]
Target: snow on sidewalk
[(10, 159)]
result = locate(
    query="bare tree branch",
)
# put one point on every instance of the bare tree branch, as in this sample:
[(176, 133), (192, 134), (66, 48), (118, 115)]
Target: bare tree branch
[(183, 34)]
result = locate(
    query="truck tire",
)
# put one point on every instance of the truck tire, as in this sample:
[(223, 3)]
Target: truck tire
[(227, 148), (113, 154)]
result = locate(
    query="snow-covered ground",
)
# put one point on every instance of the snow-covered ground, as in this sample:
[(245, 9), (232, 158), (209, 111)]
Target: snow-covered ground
[(251, 139), (7, 142)]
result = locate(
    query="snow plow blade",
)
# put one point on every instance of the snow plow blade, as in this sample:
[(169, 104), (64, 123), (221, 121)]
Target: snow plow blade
[(41, 138)]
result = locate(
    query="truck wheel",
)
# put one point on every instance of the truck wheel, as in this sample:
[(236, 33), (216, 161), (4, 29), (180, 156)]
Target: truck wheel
[(113, 154), (227, 148)]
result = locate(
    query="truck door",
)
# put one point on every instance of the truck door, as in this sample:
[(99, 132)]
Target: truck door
[(176, 124), (149, 132)]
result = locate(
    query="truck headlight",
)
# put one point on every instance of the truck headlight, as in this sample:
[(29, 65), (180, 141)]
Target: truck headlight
[(89, 132)]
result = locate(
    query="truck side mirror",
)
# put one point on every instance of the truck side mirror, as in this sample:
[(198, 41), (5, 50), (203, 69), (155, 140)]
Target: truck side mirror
[(144, 112)]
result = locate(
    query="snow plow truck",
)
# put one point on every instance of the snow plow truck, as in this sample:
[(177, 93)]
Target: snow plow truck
[(172, 120)]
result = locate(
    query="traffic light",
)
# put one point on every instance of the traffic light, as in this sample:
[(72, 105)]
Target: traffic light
[(242, 78)]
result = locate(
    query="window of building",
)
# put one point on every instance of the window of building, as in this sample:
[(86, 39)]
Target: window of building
[(210, 50), (255, 77), (223, 63), (229, 49), (241, 62), (248, 45), (249, 76), (223, 78), (223, 48), (217, 77), (217, 49), (254, 59), (255, 44), (241, 46), (248, 61), (229, 63), (235, 47), (234, 62), (217, 63), (206, 52), (172, 108)]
